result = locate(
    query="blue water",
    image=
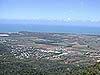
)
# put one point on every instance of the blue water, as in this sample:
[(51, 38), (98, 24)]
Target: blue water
[(48, 28)]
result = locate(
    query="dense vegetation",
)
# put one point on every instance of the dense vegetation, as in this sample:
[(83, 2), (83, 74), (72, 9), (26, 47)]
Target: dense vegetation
[(45, 68), (9, 65)]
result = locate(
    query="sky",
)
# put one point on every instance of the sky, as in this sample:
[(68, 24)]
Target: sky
[(82, 10)]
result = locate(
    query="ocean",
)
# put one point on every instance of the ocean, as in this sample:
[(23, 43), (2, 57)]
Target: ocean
[(49, 28)]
